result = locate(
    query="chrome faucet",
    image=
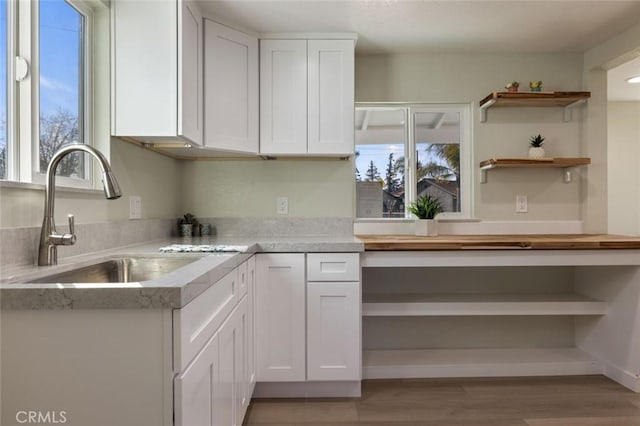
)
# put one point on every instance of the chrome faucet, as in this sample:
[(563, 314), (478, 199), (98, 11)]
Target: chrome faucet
[(50, 239)]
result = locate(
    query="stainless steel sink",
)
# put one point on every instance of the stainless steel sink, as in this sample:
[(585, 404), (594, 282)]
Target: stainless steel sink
[(119, 270)]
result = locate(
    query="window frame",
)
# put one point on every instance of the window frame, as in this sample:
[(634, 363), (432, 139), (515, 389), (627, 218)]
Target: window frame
[(23, 96), (466, 156)]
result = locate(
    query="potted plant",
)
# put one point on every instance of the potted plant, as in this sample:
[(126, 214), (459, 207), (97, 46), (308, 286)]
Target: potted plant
[(535, 149), (512, 87), (187, 224), (426, 208), (535, 86)]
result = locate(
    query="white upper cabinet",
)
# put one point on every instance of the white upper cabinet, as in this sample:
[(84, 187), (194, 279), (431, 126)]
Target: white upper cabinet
[(231, 89), (283, 96), (306, 97), (157, 68), (330, 88)]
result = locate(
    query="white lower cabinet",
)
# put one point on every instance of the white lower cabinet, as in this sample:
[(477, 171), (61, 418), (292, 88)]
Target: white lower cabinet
[(308, 331), (232, 387), (251, 327), (215, 387), (281, 317), (333, 331), (197, 389)]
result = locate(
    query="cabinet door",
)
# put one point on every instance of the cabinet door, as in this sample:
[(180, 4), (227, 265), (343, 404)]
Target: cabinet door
[(240, 362), (333, 331), (232, 367), (331, 97), (197, 389), (231, 89), (251, 321), (283, 97), (190, 102), (280, 329), (144, 81)]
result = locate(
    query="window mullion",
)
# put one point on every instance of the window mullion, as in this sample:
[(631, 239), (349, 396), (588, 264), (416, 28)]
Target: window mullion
[(26, 108), (12, 171), (411, 162)]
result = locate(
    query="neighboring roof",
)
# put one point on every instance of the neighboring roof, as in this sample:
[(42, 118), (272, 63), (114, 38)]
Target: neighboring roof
[(447, 186)]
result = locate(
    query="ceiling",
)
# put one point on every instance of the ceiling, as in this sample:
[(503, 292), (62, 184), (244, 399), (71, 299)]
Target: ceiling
[(401, 26)]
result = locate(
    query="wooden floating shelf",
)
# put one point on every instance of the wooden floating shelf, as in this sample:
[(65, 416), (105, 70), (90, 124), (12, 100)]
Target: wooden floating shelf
[(561, 162), (557, 162), (425, 363), (479, 304), (566, 100)]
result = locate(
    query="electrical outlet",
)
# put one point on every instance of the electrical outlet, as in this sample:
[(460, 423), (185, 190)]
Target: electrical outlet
[(135, 207), (283, 205), (521, 204)]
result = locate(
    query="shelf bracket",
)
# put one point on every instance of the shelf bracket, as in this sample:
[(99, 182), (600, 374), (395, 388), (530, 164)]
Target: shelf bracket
[(483, 174), (569, 109), (567, 175), (483, 109)]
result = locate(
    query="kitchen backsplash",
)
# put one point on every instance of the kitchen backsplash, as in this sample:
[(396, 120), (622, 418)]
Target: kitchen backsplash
[(19, 246), (280, 227)]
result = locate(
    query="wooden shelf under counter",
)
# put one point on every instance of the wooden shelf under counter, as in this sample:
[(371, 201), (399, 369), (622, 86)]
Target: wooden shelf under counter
[(566, 100), (548, 162)]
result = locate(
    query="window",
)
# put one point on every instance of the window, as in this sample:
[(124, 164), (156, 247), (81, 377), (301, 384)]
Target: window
[(4, 79), (407, 151), (46, 103), (62, 41)]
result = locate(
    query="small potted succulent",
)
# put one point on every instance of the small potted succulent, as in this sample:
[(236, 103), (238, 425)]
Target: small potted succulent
[(512, 87), (425, 208), (535, 147), (535, 86), (187, 224)]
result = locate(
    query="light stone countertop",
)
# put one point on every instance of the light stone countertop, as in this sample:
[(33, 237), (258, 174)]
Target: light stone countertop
[(172, 290)]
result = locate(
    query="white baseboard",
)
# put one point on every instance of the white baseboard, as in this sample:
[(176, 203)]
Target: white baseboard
[(625, 378), (307, 390)]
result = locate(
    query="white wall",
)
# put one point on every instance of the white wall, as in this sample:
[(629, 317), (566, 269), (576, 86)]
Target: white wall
[(623, 146), (315, 188), (467, 78), (139, 172), (597, 60)]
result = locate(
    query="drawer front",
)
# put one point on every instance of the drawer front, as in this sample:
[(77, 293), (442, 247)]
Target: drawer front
[(333, 267), (195, 323)]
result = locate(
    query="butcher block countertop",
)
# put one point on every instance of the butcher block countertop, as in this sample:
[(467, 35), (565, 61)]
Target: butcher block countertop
[(499, 242)]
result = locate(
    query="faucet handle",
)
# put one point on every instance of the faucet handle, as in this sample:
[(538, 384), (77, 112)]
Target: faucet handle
[(70, 238), (72, 228)]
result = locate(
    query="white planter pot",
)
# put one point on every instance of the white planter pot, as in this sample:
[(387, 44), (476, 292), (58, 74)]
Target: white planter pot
[(536, 152), (426, 227)]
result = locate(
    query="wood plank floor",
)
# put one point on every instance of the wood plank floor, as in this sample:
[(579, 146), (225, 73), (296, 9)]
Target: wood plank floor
[(535, 401)]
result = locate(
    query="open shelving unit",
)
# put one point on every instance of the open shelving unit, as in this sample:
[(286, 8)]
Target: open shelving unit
[(466, 304), (565, 163), (468, 313), (566, 100)]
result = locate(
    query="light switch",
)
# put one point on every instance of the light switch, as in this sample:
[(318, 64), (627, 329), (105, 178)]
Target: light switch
[(135, 207), (521, 204), (283, 205)]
